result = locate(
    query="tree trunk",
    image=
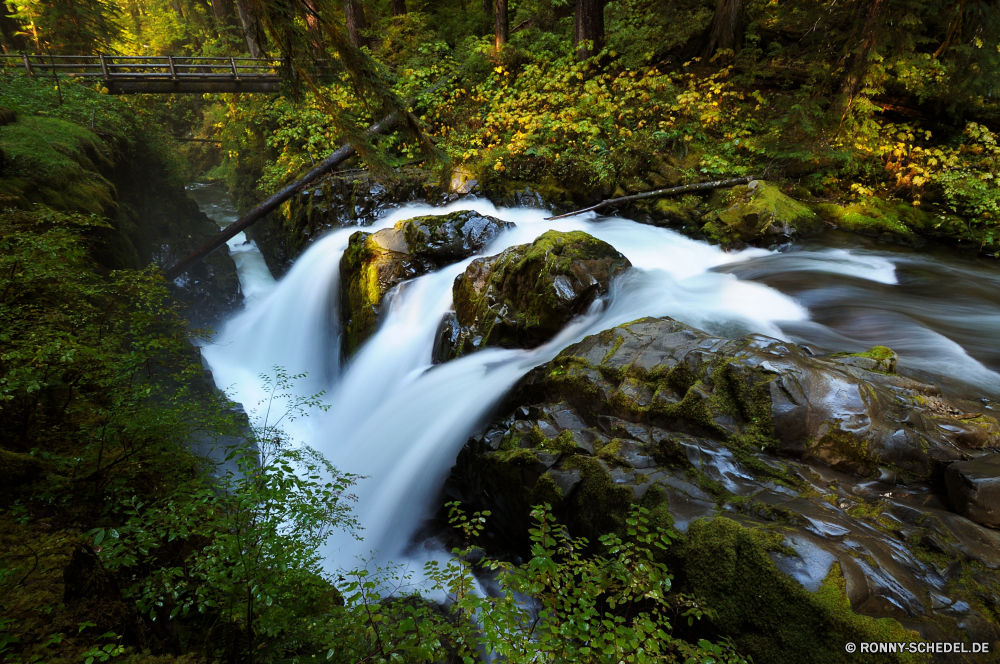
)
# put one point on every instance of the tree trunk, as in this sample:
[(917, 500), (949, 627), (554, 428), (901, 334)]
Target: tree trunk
[(858, 65), (502, 23), (225, 18), (9, 27), (249, 26), (589, 28), (727, 28), (312, 25), (488, 7), (354, 11), (398, 7)]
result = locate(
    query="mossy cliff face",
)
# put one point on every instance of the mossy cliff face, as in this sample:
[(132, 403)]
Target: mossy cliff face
[(525, 295), (809, 488), (68, 167), (374, 263)]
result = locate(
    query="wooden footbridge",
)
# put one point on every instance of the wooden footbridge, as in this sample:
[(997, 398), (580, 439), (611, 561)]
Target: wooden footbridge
[(166, 74)]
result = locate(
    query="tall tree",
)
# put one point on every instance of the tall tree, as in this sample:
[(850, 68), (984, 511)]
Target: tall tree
[(863, 45), (9, 27), (398, 7), (726, 31), (281, 21), (225, 18), (589, 29), (70, 26), (501, 22), (354, 12), (251, 29), (312, 25)]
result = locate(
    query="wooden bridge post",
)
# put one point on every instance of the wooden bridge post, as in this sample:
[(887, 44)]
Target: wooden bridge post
[(104, 69), (236, 74), (173, 71), (27, 64)]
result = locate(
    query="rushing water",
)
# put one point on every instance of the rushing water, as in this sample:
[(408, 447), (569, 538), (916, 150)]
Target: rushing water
[(255, 278), (400, 422)]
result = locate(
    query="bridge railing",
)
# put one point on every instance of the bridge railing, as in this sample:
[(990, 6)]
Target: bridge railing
[(165, 67)]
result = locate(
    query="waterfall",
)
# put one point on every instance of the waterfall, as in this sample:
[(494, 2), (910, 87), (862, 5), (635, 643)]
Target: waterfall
[(400, 422)]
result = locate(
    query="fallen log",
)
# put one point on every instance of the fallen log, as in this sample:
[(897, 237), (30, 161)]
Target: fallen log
[(180, 267), (700, 186)]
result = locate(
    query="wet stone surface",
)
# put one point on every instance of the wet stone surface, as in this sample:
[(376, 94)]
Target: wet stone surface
[(839, 464)]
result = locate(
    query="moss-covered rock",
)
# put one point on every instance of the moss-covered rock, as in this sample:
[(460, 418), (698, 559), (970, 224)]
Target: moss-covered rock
[(374, 263), (525, 295), (875, 216), (808, 488), (335, 201), (768, 612), (758, 211)]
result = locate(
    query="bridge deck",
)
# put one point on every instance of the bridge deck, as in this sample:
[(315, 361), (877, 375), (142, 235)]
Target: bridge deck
[(158, 74)]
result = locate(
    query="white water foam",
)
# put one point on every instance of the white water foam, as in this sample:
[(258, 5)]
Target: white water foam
[(401, 422)]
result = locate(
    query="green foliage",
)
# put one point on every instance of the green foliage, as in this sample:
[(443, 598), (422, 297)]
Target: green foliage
[(560, 606), (69, 26), (98, 387), (252, 570)]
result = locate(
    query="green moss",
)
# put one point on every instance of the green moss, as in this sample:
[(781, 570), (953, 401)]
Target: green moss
[(751, 213), (521, 280), (563, 443), (868, 510), (769, 615), (874, 216), (56, 163), (17, 469), (879, 353), (619, 340), (611, 452), (361, 292), (599, 505), (545, 491)]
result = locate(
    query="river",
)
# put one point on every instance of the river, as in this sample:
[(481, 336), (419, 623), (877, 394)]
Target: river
[(399, 421)]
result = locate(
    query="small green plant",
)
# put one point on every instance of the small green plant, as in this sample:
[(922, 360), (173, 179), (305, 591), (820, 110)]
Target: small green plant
[(252, 539)]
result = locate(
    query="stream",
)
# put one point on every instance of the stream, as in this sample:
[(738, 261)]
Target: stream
[(399, 421)]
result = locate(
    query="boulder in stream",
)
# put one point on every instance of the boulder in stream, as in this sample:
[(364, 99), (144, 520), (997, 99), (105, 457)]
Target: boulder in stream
[(809, 489), (374, 263), (974, 488), (757, 211), (523, 296)]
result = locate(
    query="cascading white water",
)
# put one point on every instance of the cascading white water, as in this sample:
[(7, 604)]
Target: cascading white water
[(399, 421)]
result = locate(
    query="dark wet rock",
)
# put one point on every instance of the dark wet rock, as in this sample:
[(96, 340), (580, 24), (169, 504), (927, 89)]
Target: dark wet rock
[(526, 294), (974, 488), (375, 263), (336, 201), (760, 212), (808, 490)]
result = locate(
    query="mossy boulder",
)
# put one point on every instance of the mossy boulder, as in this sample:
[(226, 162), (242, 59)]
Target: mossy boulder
[(808, 488), (890, 219), (523, 296), (773, 616), (375, 263), (759, 211), (335, 201)]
